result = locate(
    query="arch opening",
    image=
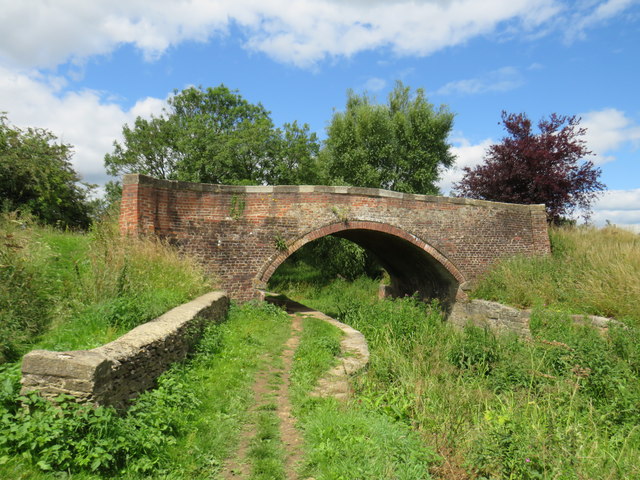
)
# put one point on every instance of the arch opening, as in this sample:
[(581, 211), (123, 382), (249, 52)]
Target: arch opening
[(412, 270), (413, 266)]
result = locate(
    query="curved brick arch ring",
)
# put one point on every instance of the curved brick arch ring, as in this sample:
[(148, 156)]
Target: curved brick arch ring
[(273, 263)]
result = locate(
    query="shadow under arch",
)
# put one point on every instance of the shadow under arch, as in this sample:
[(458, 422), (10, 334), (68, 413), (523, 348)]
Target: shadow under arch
[(413, 265)]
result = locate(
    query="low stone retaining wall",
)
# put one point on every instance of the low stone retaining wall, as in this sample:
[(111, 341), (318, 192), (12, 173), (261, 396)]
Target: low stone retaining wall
[(501, 318), (117, 372)]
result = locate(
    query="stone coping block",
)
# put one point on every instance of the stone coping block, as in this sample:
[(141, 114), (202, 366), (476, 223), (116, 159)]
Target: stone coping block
[(501, 318), (119, 371), (140, 179)]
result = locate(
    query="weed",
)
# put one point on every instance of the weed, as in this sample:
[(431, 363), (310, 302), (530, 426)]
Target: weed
[(238, 205), (280, 242)]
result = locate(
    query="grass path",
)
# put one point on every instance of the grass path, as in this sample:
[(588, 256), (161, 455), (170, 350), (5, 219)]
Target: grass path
[(270, 444)]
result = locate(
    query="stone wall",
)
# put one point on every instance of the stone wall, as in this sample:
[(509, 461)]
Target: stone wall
[(502, 319), (241, 234), (117, 372)]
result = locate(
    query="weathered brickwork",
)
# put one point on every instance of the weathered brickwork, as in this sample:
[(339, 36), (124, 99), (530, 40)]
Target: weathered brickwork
[(116, 373), (241, 234)]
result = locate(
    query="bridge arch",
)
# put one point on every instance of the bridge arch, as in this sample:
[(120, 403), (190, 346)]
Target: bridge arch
[(413, 265)]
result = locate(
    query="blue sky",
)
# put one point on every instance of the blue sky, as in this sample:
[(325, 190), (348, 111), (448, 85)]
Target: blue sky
[(83, 69)]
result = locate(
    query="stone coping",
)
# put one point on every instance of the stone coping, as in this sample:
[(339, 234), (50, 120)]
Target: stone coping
[(140, 179), (115, 373)]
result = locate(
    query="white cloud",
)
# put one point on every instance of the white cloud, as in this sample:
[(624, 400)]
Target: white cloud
[(589, 14), (83, 119), (44, 33), (468, 155), (41, 33), (620, 207), (375, 84), (501, 80), (607, 131)]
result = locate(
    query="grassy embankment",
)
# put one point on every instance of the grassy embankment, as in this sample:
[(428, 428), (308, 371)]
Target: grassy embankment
[(65, 291), (566, 405)]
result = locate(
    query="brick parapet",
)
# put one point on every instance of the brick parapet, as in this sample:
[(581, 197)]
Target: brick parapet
[(238, 232)]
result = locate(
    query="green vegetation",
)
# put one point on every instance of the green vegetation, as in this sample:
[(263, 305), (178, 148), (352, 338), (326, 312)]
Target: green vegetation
[(183, 429), (67, 291), (401, 145), (266, 450), (348, 441), (591, 270), (36, 176), (214, 135), (564, 405)]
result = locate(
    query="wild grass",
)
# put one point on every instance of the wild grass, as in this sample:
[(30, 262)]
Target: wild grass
[(183, 429), (64, 290), (565, 405), (348, 441), (591, 270)]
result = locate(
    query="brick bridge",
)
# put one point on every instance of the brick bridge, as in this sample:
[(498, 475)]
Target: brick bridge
[(241, 234)]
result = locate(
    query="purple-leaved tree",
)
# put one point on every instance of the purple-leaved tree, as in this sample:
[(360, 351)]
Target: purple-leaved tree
[(548, 167)]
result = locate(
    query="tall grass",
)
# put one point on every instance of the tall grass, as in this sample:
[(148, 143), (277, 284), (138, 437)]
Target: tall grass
[(24, 302), (64, 290), (352, 440), (565, 405), (590, 270)]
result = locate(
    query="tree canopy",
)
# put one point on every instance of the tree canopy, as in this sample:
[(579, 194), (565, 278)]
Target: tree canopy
[(36, 175), (215, 136), (401, 145), (544, 168)]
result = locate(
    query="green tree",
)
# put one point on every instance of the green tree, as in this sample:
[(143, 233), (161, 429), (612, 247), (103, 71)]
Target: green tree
[(36, 175), (215, 136), (401, 145)]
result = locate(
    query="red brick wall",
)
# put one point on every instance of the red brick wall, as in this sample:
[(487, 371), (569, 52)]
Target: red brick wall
[(236, 231)]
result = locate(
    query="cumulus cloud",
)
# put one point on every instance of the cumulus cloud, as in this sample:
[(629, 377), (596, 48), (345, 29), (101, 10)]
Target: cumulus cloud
[(40, 33), (83, 119), (609, 130), (501, 80), (620, 207), (468, 155)]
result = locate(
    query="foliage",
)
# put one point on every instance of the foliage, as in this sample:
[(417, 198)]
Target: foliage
[(215, 136), (64, 290), (565, 405), (590, 270), (36, 175), (351, 441), (196, 408), (24, 293), (66, 436), (328, 258), (401, 145), (545, 168)]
